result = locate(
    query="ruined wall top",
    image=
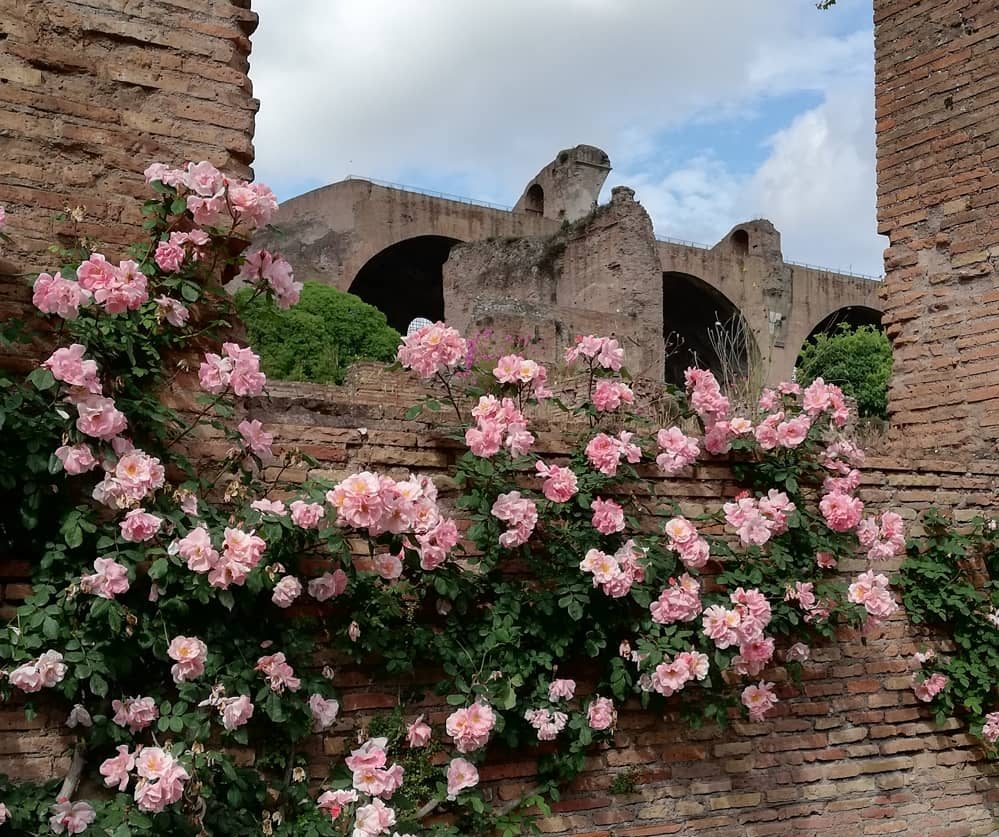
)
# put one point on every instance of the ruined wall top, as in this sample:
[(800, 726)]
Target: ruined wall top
[(568, 187)]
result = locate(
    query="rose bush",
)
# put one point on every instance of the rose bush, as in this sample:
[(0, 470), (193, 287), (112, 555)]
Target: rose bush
[(182, 613)]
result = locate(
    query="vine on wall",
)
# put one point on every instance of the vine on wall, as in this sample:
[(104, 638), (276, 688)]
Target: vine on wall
[(179, 607)]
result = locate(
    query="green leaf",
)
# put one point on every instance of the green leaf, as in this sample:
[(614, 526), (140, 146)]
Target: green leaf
[(42, 379)]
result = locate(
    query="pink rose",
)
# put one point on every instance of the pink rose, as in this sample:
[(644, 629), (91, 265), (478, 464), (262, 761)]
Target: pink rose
[(601, 714), (139, 526), (432, 349), (263, 266), (278, 673), (255, 437), (418, 733), (115, 770), (470, 726), (286, 591), (76, 459), (307, 515), (235, 711), (172, 310), (323, 711), (610, 395), (560, 484), (71, 817), (190, 654), (108, 580), (328, 585), (461, 774), (56, 295), (98, 417), (169, 256), (135, 713), (68, 366), (608, 516), (561, 689), (759, 700)]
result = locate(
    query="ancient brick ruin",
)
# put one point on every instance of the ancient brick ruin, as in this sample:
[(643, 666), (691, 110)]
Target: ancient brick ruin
[(853, 753)]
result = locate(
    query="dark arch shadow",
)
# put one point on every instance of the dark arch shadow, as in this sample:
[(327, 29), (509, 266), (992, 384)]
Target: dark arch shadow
[(535, 200), (852, 315), (406, 279), (701, 327)]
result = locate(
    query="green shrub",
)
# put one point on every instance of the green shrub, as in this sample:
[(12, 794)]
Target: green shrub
[(317, 339), (856, 359)]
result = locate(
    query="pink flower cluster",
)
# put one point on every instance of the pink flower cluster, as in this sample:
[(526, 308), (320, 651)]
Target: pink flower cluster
[(758, 520), (44, 673), (418, 733), (693, 550), (278, 673), (519, 513), (333, 802), (548, 722), (58, 295), (605, 452), (679, 602), (68, 366), (561, 689), (98, 417), (264, 266), (160, 778), (604, 352), (324, 712), (759, 700), (238, 368), (286, 591), (139, 526), (841, 511), (990, 729), (705, 396), (328, 585), (470, 726), (560, 484), (461, 775), (76, 459), (498, 424), (820, 397), (871, 590), (255, 438), (71, 817), (135, 713), (882, 539), (241, 552), (928, 688), (615, 574), (601, 714), (108, 580), (116, 289), (521, 372), (307, 515), (190, 654), (676, 450), (741, 624), (214, 197), (170, 254), (608, 516), (670, 677), (778, 430), (432, 349), (609, 395), (803, 592), (370, 776), (134, 477)]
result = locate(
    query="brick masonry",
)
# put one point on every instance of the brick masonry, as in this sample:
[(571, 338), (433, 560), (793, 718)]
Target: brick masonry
[(937, 89)]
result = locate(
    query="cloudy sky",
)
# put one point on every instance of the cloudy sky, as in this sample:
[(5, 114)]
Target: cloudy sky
[(715, 111)]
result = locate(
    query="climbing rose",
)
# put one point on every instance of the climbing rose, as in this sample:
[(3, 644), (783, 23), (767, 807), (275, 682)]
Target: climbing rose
[(44, 673), (115, 770), (255, 437), (461, 774), (608, 516), (519, 513), (323, 711), (278, 673), (333, 802), (601, 714), (56, 295), (307, 515), (432, 349), (610, 395), (373, 819), (169, 256), (135, 713), (561, 689), (560, 484), (871, 591), (841, 512), (239, 368), (759, 700), (418, 733), (271, 268), (328, 585), (604, 352), (98, 417), (71, 817), (930, 687), (990, 730), (470, 726), (190, 654), (680, 602), (286, 591), (108, 580), (798, 653), (235, 711), (76, 459), (605, 452), (676, 450), (265, 506), (172, 310), (68, 366), (139, 526)]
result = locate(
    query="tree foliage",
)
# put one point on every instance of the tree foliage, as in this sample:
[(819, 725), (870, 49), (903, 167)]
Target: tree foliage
[(320, 337), (858, 360)]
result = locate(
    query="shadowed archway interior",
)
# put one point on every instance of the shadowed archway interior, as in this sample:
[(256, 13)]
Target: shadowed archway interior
[(853, 315), (405, 280), (701, 327)]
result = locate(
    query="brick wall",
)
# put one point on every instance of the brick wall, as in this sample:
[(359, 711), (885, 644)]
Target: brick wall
[(91, 91), (937, 86)]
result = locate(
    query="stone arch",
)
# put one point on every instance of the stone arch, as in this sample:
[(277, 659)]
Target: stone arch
[(740, 241), (853, 315), (534, 199), (697, 317), (405, 280)]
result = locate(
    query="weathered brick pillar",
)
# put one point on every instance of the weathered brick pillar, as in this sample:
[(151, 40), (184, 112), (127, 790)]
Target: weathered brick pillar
[(90, 93), (937, 86)]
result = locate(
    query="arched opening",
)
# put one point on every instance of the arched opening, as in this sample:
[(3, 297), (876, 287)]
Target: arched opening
[(740, 241), (701, 327), (406, 280), (853, 316), (534, 200)]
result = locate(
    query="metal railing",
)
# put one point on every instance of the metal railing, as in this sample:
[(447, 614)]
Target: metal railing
[(700, 246), (429, 192)]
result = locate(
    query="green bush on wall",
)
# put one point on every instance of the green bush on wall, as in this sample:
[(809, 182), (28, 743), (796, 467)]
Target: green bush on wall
[(320, 337), (858, 360)]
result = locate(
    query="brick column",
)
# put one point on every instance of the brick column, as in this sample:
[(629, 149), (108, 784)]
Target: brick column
[(937, 94)]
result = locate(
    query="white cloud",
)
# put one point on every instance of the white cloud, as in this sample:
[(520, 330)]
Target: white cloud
[(476, 96)]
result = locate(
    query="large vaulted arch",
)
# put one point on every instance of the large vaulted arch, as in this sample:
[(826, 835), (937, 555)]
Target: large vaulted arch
[(852, 315), (405, 280), (701, 327)]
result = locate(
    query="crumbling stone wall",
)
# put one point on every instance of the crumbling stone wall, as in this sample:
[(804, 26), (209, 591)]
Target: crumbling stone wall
[(937, 87), (90, 93), (599, 275)]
